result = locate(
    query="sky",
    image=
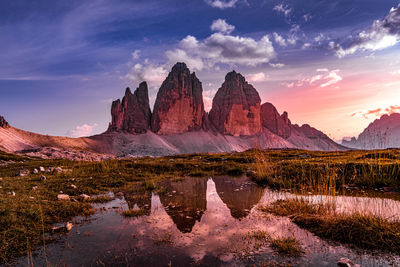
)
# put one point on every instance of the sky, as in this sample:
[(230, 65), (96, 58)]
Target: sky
[(333, 64)]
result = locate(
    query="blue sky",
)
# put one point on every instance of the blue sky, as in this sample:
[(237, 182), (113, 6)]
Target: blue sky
[(327, 62)]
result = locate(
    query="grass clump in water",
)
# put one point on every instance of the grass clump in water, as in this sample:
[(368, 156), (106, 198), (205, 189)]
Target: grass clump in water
[(287, 246), (365, 231), (133, 213)]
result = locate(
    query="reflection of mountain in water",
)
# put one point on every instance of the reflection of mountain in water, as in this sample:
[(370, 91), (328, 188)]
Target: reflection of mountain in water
[(139, 200), (239, 194), (185, 201)]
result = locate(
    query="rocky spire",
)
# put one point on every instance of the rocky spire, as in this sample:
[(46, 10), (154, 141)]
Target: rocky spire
[(179, 105), (277, 124), (133, 113), (3, 123), (236, 107)]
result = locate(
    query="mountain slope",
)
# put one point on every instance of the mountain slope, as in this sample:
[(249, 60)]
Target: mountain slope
[(380, 134)]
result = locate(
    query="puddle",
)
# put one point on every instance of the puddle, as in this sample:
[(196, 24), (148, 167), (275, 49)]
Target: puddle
[(200, 221)]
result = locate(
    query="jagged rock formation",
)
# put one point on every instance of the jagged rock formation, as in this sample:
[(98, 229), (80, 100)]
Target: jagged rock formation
[(236, 107), (239, 195), (132, 114), (179, 105), (3, 122), (380, 134), (185, 201), (278, 124), (178, 125)]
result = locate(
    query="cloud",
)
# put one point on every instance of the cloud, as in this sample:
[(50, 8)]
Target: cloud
[(323, 78), (376, 113), (221, 4), (220, 48), (279, 39), (208, 96), (257, 77), (151, 73), (136, 54), (284, 9), (382, 34), (307, 17), (83, 130), (277, 65), (221, 26)]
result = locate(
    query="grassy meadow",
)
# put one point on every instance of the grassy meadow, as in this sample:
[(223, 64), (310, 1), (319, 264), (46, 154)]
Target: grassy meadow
[(29, 207)]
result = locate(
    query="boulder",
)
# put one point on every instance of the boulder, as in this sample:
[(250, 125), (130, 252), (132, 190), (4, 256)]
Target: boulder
[(179, 105), (132, 114), (23, 172), (236, 107), (63, 197)]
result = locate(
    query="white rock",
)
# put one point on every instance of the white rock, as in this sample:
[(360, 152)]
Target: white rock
[(68, 226), (73, 186), (35, 171), (41, 169), (64, 197), (84, 197), (58, 170)]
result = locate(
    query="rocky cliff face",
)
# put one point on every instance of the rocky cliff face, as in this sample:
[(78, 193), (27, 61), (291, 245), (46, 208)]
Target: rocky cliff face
[(380, 134), (3, 122), (236, 107), (277, 124), (179, 105), (132, 114)]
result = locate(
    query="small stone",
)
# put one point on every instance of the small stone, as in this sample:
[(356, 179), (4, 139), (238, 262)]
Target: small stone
[(35, 171), (34, 188), (345, 262), (72, 186), (84, 197), (12, 193), (43, 178), (41, 169), (63, 197), (251, 173), (1, 179), (23, 172), (58, 170), (31, 198)]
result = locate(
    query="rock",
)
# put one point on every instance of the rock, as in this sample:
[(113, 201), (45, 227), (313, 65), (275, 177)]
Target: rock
[(41, 169), (72, 186), (58, 170), (34, 188), (50, 169), (12, 193), (63, 197), (179, 105), (68, 226), (35, 171), (277, 124), (3, 123), (43, 178), (132, 114), (1, 179), (236, 107), (23, 172), (345, 262), (84, 197), (251, 173)]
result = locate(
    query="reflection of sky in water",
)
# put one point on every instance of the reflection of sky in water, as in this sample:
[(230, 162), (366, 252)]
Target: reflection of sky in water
[(216, 235)]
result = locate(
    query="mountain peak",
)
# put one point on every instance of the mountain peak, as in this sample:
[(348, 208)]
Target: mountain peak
[(3, 123)]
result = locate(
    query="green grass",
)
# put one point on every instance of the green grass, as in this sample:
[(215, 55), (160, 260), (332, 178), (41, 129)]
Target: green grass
[(362, 230), (23, 223)]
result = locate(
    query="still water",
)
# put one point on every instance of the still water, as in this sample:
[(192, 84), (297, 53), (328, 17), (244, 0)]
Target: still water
[(202, 222)]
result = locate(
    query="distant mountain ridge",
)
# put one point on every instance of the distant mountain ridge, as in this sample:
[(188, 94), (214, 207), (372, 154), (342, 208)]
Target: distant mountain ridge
[(178, 124), (380, 134)]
